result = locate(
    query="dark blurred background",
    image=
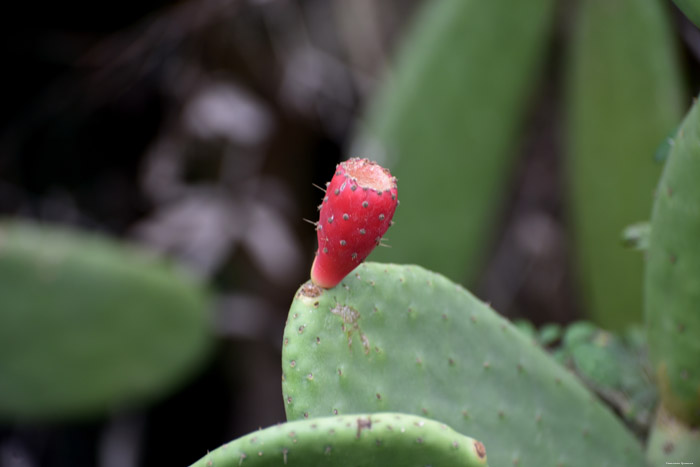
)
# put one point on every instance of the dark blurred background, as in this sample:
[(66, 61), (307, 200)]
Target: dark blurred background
[(197, 128)]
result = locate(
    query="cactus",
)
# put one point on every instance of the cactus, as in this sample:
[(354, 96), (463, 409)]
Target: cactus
[(88, 325), (673, 269), (400, 338), (672, 442), (623, 102), (362, 440), (355, 213), (447, 124)]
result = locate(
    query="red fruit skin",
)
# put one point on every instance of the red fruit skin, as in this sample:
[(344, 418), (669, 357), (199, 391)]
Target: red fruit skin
[(355, 213)]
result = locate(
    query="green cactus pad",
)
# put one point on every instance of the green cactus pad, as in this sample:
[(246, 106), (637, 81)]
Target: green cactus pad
[(673, 276), (400, 338), (457, 99), (364, 440), (88, 325), (672, 442), (625, 96)]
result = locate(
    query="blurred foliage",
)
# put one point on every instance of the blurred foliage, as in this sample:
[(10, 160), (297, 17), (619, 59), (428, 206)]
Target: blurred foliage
[(691, 9), (88, 325), (448, 123), (449, 117), (614, 366), (625, 94)]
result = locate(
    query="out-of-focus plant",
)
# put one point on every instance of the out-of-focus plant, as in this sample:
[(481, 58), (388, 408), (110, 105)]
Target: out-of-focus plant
[(449, 118), (89, 326)]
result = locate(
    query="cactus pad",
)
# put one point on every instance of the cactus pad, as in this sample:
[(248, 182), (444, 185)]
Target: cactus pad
[(87, 325), (365, 440), (625, 96), (400, 338), (672, 442), (673, 276)]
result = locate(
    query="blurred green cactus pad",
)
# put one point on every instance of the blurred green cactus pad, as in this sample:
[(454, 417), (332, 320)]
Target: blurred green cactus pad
[(88, 325), (404, 339), (620, 106), (673, 276)]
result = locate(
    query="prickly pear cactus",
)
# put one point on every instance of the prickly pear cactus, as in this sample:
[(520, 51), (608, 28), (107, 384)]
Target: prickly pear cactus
[(400, 338), (364, 440), (621, 105), (672, 442), (673, 269), (87, 325)]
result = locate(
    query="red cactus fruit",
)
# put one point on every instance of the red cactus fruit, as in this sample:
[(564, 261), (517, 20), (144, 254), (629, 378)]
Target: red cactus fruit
[(356, 212)]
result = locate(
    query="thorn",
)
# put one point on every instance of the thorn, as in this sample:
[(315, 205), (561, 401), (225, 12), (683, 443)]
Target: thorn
[(310, 222), (319, 187)]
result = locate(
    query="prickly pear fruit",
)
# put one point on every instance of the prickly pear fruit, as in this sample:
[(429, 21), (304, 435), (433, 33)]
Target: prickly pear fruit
[(361, 440), (356, 212)]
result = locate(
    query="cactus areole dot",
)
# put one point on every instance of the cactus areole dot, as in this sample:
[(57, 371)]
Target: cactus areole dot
[(355, 213)]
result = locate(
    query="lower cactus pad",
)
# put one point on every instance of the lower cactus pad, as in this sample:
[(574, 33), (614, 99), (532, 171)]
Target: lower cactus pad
[(368, 440), (400, 338)]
